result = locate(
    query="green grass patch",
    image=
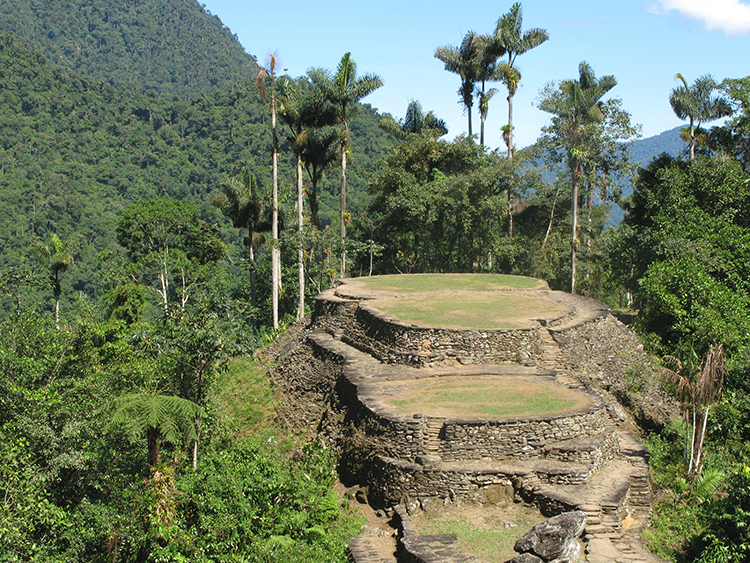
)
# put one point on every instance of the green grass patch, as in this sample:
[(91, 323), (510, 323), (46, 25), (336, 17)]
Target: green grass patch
[(470, 310), (486, 533), (244, 396), (415, 283), (506, 397), (674, 525)]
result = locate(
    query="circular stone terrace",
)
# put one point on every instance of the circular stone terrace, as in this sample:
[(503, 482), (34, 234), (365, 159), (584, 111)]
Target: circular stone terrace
[(459, 301), (433, 313), (462, 379)]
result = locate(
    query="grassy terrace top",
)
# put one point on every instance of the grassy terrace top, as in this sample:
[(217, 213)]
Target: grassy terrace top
[(482, 396), (457, 301), (419, 283)]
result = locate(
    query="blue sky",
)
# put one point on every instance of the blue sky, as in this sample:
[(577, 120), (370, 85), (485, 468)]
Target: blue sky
[(643, 43)]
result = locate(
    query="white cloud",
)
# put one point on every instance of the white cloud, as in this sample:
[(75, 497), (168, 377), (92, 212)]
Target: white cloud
[(729, 16)]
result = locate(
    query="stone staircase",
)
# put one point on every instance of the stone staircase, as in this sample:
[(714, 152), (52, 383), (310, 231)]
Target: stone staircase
[(433, 428), (550, 350)]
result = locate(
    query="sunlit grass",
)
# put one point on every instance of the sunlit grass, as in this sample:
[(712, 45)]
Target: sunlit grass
[(506, 397), (470, 311), (416, 283), (489, 534), (244, 395)]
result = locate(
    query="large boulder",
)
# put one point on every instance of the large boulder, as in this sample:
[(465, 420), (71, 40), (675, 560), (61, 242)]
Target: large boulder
[(555, 539)]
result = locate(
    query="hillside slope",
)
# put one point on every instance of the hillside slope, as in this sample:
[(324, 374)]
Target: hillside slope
[(172, 48)]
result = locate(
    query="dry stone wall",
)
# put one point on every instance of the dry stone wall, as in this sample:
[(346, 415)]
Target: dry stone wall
[(393, 480), (389, 341), (393, 342), (517, 438)]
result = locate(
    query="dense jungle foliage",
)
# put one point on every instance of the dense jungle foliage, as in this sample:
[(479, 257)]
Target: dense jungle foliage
[(170, 48), (135, 269)]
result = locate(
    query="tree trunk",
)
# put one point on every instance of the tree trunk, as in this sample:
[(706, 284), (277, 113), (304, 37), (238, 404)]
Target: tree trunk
[(312, 196), (510, 126), (574, 240), (692, 444), (482, 115), (700, 443), (343, 210), (251, 262), (154, 457), (300, 232), (195, 443), (551, 218), (275, 253), (57, 312)]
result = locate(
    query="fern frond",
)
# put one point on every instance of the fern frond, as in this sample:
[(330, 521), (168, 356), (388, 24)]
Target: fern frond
[(708, 483), (172, 416)]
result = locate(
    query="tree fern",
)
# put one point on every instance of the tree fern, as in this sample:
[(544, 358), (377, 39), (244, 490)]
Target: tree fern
[(160, 417)]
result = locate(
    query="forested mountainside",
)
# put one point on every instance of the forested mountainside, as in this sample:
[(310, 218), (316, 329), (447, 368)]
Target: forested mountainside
[(171, 48), (669, 142), (75, 152)]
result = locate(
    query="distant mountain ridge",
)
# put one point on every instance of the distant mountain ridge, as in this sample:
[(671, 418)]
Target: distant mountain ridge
[(642, 152), (172, 47), (665, 142)]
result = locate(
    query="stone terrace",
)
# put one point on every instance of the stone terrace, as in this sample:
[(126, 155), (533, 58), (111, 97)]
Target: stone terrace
[(588, 459)]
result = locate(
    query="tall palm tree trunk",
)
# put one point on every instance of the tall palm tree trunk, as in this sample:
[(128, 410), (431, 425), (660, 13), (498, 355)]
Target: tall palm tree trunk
[(343, 210), (300, 232), (275, 251), (510, 126), (574, 229)]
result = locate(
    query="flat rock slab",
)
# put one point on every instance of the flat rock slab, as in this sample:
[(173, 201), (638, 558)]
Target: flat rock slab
[(602, 550)]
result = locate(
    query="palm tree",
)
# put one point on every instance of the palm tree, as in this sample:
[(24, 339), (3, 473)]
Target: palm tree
[(344, 89), (415, 122), (508, 34), (291, 110), (576, 106), (269, 72), (487, 70), (697, 103), (321, 152), (240, 203), (698, 391), (463, 61), (303, 112), (56, 257)]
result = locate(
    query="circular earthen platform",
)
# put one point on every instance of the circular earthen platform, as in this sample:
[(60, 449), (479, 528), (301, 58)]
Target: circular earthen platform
[(482, 396)]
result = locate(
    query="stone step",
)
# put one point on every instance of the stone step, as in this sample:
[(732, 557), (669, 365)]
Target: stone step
[(550, 350), (366, 548), (595, 529), (562, 473), (433, 427)]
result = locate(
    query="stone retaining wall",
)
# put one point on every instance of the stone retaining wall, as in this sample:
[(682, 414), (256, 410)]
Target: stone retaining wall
[(399, 436), (517, 438), (460, 439), (393, 480), (389, 341), (393, 342), (597, 451)]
